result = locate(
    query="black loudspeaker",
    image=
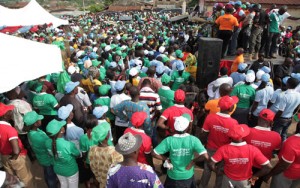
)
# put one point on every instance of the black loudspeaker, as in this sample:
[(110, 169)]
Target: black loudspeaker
[(209, 56)]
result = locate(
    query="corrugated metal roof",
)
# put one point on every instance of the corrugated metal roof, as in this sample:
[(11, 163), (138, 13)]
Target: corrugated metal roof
[(277, 2)]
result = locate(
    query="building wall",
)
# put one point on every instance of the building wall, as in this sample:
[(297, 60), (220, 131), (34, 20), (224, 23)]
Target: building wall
[(169, 3)]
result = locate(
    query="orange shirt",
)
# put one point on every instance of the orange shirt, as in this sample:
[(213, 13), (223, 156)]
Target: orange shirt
[(239, 59), (213, 106), (227, 22)]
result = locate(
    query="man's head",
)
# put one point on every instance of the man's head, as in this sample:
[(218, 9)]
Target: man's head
[(181, 124), (288, 62), (227, 103), (225, 89), (6, 112), (71, 88), (261, 57), (134, 92), (179, 96), (128, 145), (292, 83), (138, 119), (239, 51), (151, 71), (237, 4), (266, 118), (282, 10), (223, 71), (238, 132), (146, 83)]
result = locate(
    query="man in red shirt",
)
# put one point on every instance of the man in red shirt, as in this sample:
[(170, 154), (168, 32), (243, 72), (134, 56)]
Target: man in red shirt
[(239, 158), (13, 154), (172, 112), (286, 173), (263, 138), (137, 120), (214, 132)]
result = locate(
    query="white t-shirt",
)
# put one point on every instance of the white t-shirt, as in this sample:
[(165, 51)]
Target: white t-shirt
[(115, 100)]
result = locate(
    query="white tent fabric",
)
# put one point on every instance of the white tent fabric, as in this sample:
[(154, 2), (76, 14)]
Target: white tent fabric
[(24, 60), (31, 14)]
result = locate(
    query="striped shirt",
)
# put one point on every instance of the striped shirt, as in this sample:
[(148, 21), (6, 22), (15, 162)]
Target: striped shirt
[(152, 99)]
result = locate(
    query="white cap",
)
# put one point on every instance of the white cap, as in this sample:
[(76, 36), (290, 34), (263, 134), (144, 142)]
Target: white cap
[(87, 63), (181, 123), (71, 70), (118, 37), (133, 71), (162, 49), (250, 77), (146, 52), (259, 74), (107, 48), (79, 53)]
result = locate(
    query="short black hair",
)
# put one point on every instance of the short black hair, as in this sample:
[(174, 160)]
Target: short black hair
[(292, 83), (223, 71)]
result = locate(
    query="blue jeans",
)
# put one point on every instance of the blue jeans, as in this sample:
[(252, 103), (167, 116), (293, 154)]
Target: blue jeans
[(50, 176), (281, 126)]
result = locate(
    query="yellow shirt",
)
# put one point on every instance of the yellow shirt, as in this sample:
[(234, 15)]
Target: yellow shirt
[(89, 86)]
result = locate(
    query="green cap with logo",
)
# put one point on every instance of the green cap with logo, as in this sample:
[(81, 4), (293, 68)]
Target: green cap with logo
[(31, 118), (54, 127)]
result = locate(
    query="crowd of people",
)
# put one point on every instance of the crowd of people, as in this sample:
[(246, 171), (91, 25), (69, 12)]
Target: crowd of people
[(128, 95)]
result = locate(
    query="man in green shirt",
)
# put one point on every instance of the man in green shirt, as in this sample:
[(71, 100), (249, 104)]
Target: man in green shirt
[(246, 94), (45, 103), (179, 76), (165, 93), (274, 31), (184, 150), (37, 139)]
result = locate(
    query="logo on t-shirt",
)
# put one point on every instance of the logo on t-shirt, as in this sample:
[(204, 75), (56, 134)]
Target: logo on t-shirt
[(181, 152), (260, 143), (239, 160), (220, 128)]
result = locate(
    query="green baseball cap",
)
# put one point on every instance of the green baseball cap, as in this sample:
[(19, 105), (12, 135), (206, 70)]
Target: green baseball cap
[(118, 52), (38, 87), (104, 89), (103, 45), (165, 79), (165, 59), (179, 53), (140, 37), (31, 117), (54, 127), (100, 132), (95, 62)]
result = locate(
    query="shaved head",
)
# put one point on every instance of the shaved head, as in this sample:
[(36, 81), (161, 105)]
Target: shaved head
[(225, 89)]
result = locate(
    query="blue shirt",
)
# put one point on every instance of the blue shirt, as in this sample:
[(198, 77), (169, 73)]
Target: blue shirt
[(237, 77), (129, 108), (289, 103), (73, 132), (263, 97), (277, 97)]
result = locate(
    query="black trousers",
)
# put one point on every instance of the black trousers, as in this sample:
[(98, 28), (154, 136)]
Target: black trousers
[(225, 35)]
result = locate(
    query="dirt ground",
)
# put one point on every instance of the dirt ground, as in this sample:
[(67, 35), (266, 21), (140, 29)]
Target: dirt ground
[(38, 172)]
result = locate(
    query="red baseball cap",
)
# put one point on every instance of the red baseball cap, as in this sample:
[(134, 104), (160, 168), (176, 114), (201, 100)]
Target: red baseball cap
[(138, 118), (226, 102), (179, 95), (228, 6), (5, 108), (267, 114), (238, 131)]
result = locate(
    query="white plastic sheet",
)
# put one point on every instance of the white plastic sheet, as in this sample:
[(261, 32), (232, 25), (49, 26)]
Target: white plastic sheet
[(31, 14), (24, 60)]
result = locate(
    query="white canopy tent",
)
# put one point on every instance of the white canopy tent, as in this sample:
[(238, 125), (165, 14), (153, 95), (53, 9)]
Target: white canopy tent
[(31, 14), (24, 60)]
